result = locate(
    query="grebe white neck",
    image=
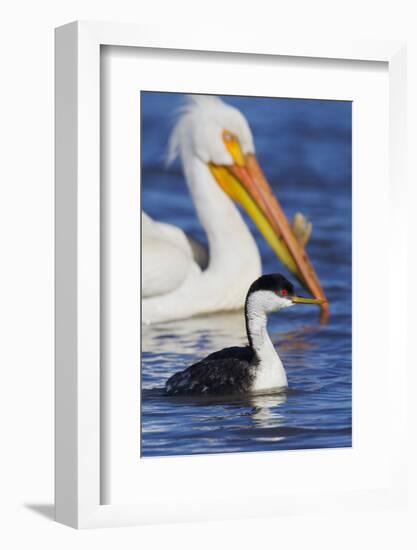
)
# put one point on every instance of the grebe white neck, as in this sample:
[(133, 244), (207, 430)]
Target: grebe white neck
[(270, 371)]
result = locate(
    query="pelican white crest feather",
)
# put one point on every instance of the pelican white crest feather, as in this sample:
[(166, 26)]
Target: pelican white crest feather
[(199, 129)]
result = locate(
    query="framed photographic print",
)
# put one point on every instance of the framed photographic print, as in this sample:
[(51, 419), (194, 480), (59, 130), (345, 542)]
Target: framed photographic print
[(195, 304), (222, 309)]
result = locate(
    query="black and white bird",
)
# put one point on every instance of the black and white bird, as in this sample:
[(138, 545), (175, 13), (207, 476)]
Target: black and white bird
[(255, 368)]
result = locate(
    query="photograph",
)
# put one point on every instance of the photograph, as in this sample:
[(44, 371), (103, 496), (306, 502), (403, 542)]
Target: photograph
[(246, 274)]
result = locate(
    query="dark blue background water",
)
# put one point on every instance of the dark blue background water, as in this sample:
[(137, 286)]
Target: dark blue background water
[(304, 147)]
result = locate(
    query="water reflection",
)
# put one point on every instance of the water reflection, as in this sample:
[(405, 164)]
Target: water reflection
[(265, 412), (296, 339), (206, 334)]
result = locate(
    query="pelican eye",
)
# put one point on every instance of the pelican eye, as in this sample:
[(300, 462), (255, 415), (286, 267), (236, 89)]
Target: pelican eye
[(283, 292), (233, 146)]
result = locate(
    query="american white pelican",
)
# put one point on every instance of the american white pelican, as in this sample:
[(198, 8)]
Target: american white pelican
[(254, 368), (216, 148)]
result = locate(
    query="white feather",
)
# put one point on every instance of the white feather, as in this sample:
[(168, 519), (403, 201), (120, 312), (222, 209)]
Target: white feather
[(168, 257)]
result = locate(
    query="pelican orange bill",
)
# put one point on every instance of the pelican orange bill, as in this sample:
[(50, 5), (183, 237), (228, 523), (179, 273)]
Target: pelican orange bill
[(247, 185)]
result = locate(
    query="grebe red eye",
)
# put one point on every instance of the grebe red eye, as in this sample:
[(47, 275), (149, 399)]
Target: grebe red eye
[(284, 292)]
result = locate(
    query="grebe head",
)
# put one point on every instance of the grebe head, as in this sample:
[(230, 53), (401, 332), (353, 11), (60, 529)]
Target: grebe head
[(274, 292)]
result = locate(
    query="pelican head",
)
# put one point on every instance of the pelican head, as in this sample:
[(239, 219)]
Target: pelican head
[(212, 130), (220, 137)]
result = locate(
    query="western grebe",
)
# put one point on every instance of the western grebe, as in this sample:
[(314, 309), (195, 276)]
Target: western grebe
[(253, 368)]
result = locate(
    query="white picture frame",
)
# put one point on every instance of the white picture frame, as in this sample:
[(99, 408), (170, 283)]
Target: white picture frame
[(78, 321)]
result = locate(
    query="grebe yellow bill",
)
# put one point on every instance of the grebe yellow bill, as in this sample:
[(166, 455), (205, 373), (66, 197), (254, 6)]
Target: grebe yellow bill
[(250, 369)]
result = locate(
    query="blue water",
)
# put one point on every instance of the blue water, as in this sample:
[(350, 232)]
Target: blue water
[(304, 147)]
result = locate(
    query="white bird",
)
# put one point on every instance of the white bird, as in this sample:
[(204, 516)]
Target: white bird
[(179, 280)]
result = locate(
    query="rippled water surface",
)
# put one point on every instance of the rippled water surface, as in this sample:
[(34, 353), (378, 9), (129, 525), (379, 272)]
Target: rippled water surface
[(304, 147)]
